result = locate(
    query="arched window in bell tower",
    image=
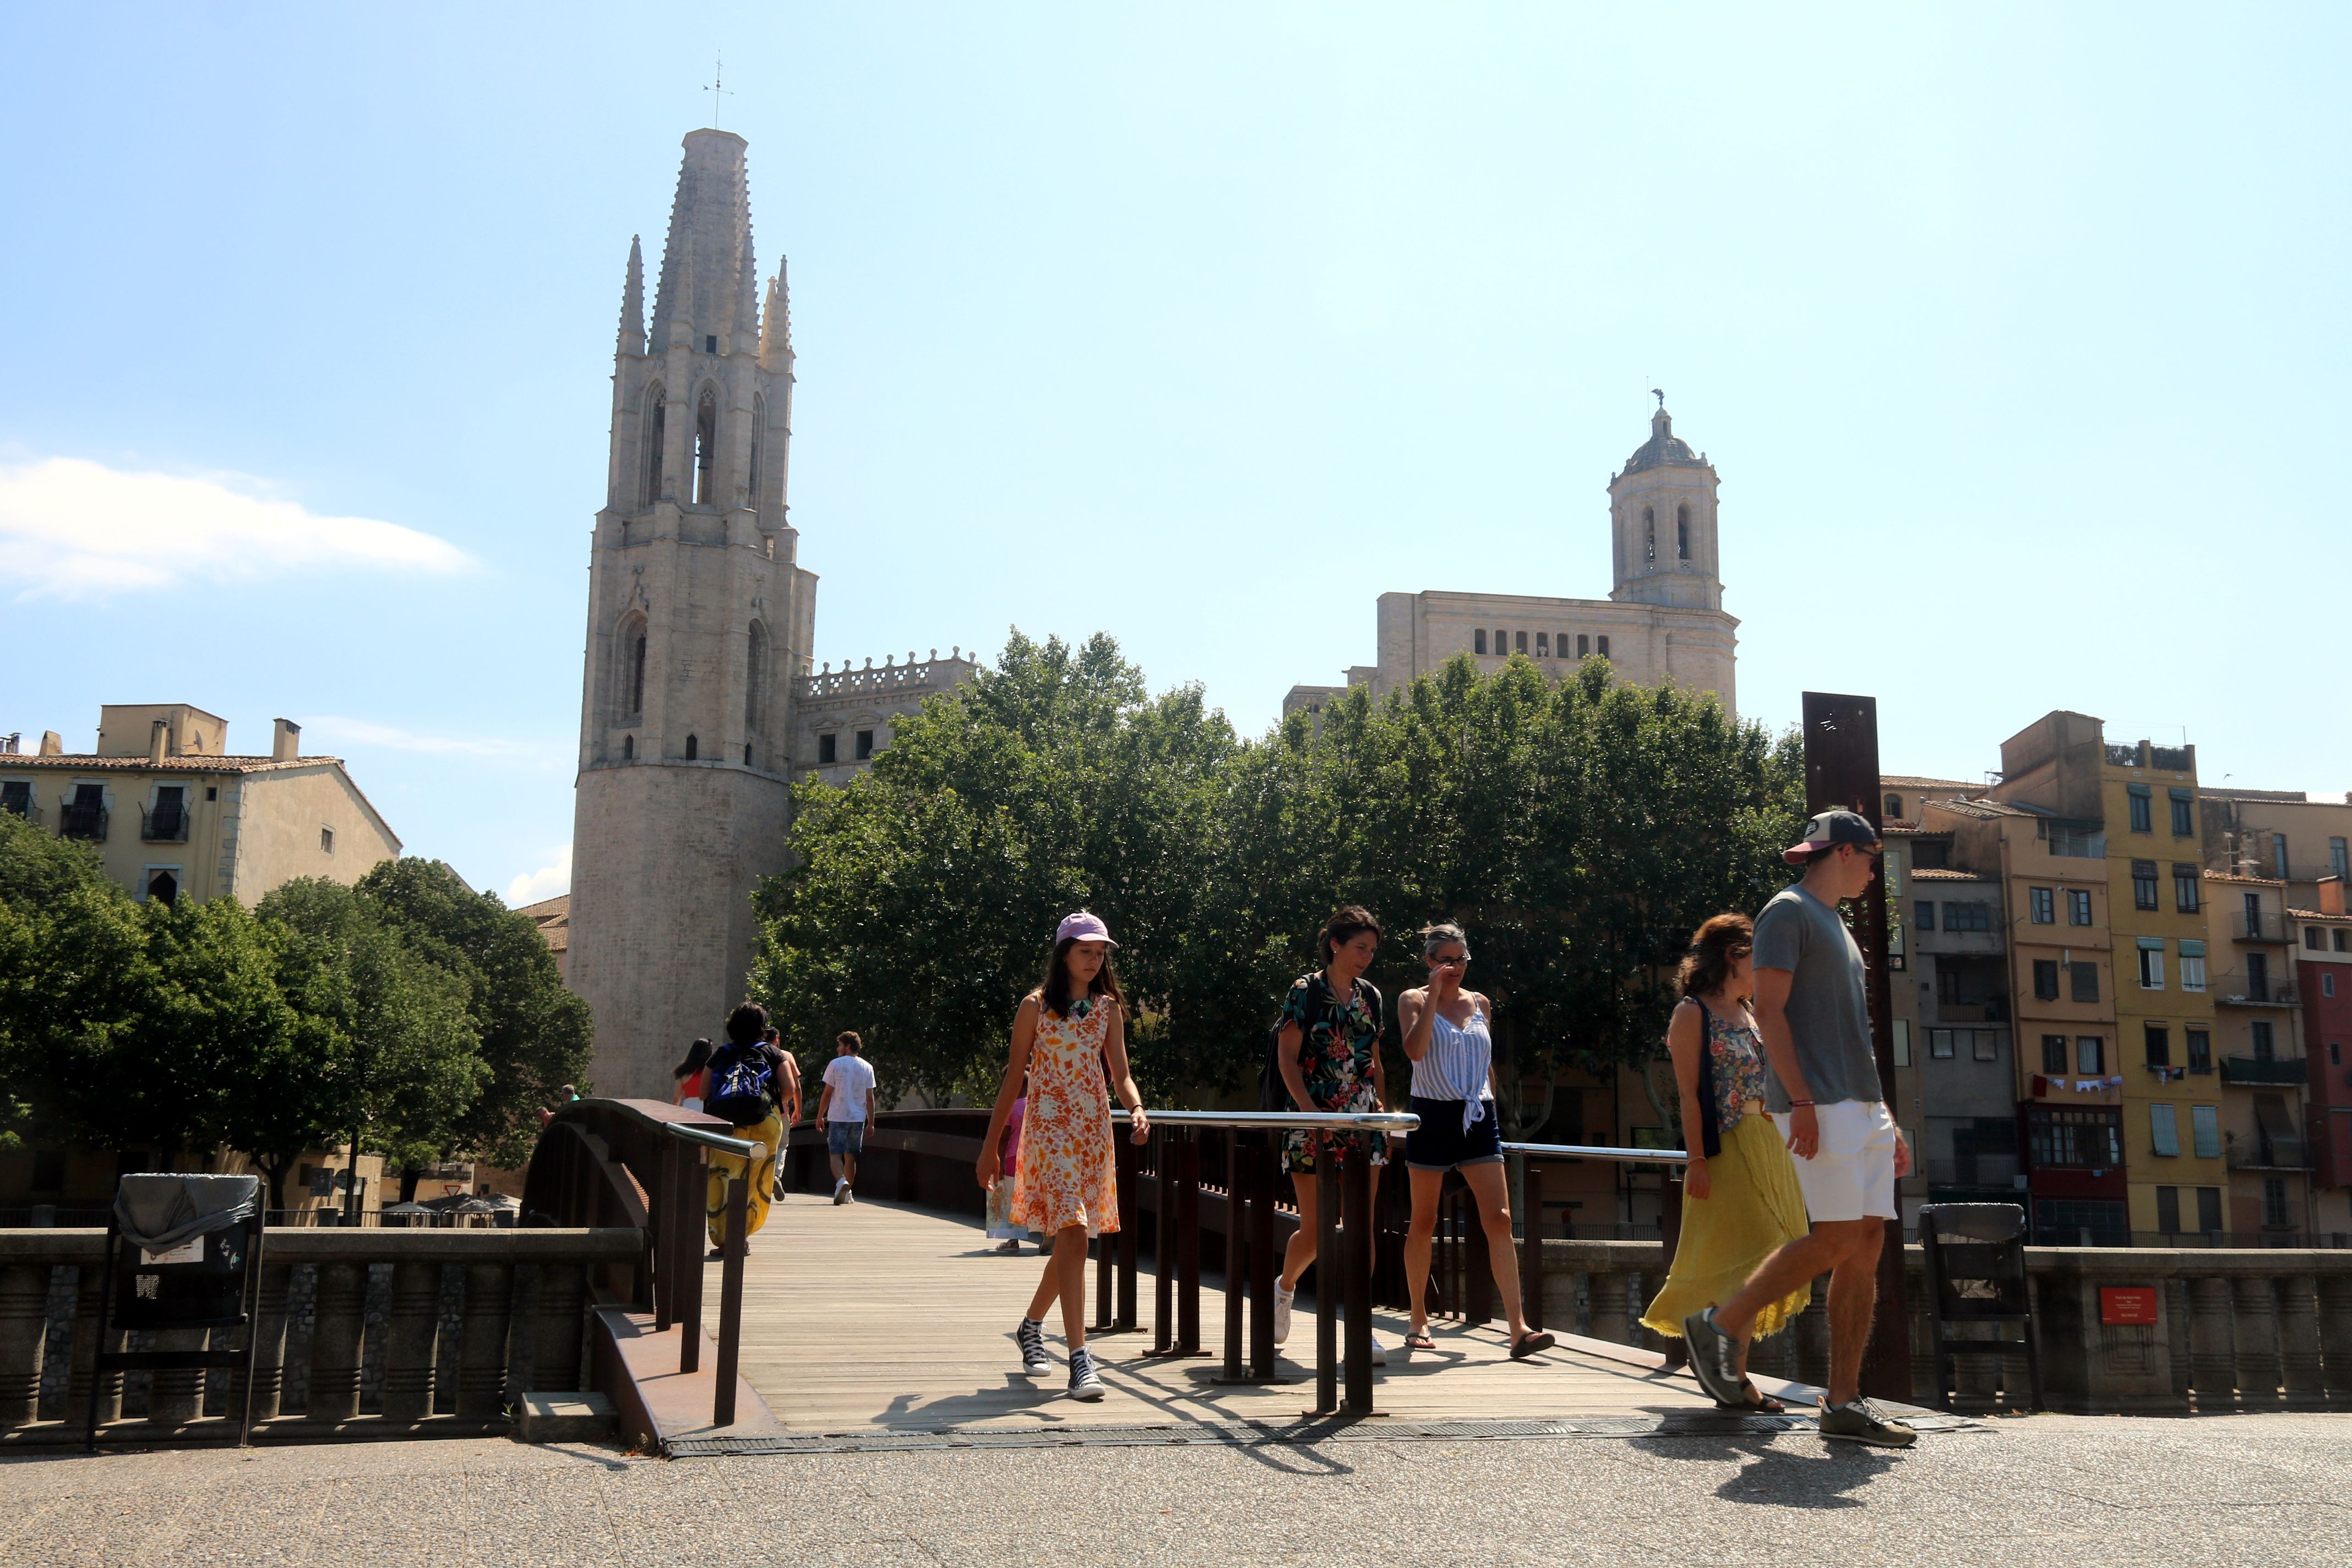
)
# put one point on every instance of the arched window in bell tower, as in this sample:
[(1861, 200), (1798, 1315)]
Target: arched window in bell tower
[(758, 425), (637, 675), (755, 681), (705, 447), (693, 748), (1649, 534), (1682, 531), (657, 424)]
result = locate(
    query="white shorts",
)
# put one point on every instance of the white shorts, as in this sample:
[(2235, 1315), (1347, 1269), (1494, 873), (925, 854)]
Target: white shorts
[(1851, 1175)]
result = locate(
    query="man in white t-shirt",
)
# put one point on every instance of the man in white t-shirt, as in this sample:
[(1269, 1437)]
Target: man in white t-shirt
[(844, 1111)]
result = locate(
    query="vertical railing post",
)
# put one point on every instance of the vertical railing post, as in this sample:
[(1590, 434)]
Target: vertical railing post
[(662, 1216), (1531, 1301), (1265, 1184), (1188, 1247), (1130, 1226), (1356, 1276), (1236, 1255), (1327, 1293), (730, 1294), (687, 1211), (1163, 1244)]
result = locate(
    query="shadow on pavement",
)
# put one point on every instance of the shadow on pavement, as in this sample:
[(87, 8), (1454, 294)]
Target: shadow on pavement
[(1782, 1478)]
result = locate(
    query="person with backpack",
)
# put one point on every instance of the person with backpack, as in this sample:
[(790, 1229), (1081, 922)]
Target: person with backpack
[(1740, 1199), (1328, 1050), (744, 1089), (1069, 1041), (845, 1112), (1449, 1040)]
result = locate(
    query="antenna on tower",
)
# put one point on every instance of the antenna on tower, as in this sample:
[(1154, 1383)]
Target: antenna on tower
[(717, 88)]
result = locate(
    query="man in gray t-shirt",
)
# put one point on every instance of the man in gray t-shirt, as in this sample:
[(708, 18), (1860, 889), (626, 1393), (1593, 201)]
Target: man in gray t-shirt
[(1828, 1009), (1814, 1018)]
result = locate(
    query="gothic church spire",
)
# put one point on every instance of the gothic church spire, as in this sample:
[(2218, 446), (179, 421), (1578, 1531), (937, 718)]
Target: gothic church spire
[(710, 283), (633, 303)]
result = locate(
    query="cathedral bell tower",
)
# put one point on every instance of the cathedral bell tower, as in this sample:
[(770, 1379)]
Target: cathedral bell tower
[(1662, 516), (699, 623)]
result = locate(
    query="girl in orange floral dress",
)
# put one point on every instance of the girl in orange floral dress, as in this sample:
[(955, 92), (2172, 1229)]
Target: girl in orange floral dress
[(1068, 1038)]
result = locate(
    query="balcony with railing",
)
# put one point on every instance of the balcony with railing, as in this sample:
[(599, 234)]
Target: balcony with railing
[(79, 821), (2238, 989), (164, 824), (2261, 1153), (2269, 1073), (2263, 928)]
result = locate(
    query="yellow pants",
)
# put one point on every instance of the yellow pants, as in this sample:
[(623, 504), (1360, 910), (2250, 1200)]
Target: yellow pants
[(726, 1167)]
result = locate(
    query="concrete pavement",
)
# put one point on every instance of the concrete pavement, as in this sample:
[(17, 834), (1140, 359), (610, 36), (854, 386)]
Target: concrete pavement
[(2045, 1490)]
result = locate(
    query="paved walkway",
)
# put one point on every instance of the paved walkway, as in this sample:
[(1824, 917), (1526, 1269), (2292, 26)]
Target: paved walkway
[(2053, 1491), (876, 1314)]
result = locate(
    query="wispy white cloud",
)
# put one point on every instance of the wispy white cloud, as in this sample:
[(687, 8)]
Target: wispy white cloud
[(74, 529), (330, 727), (550, 880)]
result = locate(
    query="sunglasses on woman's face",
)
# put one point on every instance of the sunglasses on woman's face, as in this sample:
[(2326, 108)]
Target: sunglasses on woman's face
[(1456, 963)]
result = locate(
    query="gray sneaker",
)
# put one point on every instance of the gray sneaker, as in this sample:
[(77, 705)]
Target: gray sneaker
[(1860, 1422), (1714, 1357)]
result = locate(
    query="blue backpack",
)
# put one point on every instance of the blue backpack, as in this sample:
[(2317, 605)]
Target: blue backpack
[(742, 1085)]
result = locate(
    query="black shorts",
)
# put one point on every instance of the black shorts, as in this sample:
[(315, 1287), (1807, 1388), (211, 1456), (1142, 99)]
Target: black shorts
[(1439, 1143)]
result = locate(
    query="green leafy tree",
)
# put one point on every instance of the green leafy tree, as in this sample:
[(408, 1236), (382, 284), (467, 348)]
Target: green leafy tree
[(68, 940), (534, 1036), (925, 892), (395, 1050)]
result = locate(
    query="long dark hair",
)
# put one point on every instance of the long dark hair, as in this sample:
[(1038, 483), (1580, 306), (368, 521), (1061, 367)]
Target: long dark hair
[(1055, 988), (1347, 924), (698, 1055), (1713, 947)]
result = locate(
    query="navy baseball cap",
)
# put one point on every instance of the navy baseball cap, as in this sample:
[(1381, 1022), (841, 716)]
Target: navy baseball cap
[(1829, 829)]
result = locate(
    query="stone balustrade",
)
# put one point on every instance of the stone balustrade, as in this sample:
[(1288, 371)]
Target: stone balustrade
[(2234, 1331), (360, 1332)]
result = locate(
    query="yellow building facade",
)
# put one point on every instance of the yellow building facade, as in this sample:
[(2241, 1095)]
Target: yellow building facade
[(173, 814)]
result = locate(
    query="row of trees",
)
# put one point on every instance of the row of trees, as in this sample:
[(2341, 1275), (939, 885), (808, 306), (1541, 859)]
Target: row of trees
[(1578, 830), (425, 1017)]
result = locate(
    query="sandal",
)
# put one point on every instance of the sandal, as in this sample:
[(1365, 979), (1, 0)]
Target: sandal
[(1759, 1402), (1419, 1342), (1534, 1342)]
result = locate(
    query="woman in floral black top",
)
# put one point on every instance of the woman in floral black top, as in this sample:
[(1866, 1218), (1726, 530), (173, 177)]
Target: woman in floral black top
[(1330, 1057)]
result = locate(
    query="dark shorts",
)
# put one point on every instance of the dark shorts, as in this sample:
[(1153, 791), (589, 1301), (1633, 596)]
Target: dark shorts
[(845, 1137), (1440, 1145)]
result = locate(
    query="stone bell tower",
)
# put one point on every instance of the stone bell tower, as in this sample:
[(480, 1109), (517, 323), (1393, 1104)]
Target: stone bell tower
[(699, 623), (1661, 522)]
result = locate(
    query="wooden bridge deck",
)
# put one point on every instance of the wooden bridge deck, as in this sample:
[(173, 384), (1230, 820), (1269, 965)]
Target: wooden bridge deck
[(876, 1314)]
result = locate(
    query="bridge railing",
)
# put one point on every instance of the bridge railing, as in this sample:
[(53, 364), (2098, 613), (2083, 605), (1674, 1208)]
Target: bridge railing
[(644, 1164), (358, 1333)]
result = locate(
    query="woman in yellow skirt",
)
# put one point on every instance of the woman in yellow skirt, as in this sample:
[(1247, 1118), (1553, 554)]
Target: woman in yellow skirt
[(1740, 1199)]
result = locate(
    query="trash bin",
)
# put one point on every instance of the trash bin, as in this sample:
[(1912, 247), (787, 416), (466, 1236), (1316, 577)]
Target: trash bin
[(185, 1243)]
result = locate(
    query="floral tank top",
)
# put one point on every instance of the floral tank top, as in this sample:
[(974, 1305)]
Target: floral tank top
[(1737, 1064)]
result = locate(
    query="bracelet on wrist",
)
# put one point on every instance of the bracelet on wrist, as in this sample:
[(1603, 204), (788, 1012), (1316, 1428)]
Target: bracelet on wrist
[(1799, 1104)]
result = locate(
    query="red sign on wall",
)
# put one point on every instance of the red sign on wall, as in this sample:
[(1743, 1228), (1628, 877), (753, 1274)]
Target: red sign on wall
[(2127, 1303)]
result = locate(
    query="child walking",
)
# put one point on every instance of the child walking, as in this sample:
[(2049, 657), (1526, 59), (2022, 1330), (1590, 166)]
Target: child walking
[(1069, 1040)]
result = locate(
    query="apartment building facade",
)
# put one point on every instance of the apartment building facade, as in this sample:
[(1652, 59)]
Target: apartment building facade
[(173, 814), (2323, 956), (2259, 1052)]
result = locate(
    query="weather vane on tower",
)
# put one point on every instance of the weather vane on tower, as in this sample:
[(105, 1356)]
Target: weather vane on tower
[(717, 88), (1661, 396)]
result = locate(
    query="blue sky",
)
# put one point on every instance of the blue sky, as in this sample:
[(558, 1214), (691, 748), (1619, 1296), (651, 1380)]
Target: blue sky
[(2016, 334)]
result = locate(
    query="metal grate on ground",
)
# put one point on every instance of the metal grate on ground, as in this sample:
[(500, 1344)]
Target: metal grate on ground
[(1241, 1434)]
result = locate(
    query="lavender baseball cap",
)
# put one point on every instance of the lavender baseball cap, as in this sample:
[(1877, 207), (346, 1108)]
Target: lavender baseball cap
[(1084, 926)]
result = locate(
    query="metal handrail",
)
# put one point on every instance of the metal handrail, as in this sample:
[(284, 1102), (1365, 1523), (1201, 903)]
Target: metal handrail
[(1601, 1152), (1285, 1120), (634, 1111)]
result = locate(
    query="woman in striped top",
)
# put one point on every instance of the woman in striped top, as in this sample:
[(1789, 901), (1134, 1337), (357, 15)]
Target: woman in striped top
[(1449, 1040)]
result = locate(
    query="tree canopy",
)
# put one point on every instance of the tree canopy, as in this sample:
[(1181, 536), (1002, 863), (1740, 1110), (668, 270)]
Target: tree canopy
[(1578, 830), (427, 1015)]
